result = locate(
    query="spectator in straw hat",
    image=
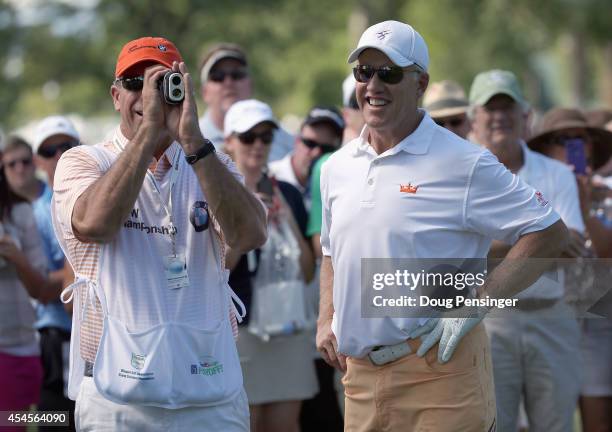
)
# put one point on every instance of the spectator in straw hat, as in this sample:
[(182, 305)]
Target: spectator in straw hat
[(556, 130), (447, 104)]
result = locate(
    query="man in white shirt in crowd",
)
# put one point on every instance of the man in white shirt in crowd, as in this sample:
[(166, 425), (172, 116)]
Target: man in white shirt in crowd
[(225, 78), (320, 133), (535, 347), (408, 188)]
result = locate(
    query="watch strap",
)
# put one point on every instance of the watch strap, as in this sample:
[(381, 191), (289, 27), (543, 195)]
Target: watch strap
[(202, 152)]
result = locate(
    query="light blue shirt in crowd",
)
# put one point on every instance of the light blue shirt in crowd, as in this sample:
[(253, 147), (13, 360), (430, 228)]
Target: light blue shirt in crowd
[(53, 313)]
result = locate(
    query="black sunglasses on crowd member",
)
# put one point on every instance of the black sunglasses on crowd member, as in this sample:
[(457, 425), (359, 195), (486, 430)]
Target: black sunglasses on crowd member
[(387, 74), (235, 75), (325, 148), (452, 122), (249, 137), (50, 151)]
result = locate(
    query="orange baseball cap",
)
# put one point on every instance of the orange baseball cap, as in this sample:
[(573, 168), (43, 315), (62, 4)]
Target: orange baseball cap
[(146, 49)]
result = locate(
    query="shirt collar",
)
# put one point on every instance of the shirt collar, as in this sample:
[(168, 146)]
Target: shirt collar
[(417, 142)]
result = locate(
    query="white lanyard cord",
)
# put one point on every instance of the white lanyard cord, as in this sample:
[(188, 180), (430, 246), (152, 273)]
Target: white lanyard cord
[(173, 177)]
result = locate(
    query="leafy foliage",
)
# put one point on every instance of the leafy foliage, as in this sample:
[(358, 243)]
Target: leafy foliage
[(63, 61)]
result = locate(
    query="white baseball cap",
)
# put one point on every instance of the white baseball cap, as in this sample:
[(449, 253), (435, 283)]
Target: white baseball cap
[(398, 41), (246, 114), (348, 89), (53, 125)]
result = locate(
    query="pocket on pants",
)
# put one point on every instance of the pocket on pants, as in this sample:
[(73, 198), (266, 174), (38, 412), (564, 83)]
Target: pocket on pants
[(464, 359)]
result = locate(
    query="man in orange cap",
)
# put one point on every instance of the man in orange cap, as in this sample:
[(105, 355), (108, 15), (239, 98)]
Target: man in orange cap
[(145, 218)]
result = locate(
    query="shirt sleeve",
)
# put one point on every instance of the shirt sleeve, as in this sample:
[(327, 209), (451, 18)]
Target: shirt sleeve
[(501, 206), (75, 172), (315, 215), (326, 219)]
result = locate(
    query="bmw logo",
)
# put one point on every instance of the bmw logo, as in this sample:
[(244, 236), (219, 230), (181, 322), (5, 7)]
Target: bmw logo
[(162, 47), (198, 216)]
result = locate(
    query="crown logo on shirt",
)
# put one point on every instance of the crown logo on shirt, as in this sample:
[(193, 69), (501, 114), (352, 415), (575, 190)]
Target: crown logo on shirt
[(409, 188)]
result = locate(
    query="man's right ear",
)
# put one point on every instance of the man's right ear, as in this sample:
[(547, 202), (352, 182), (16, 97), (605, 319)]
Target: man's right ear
[(114, 91)]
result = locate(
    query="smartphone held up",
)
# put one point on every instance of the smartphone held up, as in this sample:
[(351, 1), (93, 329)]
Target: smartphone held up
[(576, 156)]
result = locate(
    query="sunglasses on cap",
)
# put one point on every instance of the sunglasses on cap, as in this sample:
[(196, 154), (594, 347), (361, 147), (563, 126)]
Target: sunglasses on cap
[(26, 162), (325, 148), (132, 83), (452, 122), (50, 151), (220, 75), (387, 74), (249, 138)]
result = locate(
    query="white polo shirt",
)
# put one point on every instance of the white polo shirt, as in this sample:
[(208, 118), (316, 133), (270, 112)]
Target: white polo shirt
[(464, 197), (557, 183)]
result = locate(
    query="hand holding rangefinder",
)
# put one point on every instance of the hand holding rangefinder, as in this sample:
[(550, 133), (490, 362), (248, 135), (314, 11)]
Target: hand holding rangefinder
[(172, 87)]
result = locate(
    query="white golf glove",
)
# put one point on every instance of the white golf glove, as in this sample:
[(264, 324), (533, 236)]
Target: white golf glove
[(449, 331)]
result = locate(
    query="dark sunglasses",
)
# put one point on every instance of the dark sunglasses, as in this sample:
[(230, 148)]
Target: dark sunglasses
[(26, 162), (235, 75), (387, 74), (453, 122), (325, 148), (249, 138), (51, 150), (132, 84)]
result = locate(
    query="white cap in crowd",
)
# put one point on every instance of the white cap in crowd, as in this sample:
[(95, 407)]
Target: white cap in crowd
[(400, 42), (245, 114), (53, 125)]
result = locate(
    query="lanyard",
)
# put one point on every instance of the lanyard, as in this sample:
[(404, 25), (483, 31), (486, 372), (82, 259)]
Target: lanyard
[(167, 207)]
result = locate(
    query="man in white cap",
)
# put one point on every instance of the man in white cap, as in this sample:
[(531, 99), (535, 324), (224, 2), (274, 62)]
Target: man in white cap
[(320, 133), (447, 105), (54, 135), (225, 79), (544, 369), (408, 188)]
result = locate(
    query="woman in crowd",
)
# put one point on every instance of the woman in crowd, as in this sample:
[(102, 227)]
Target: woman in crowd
[(22, 263), (279, 373), (562, 134)]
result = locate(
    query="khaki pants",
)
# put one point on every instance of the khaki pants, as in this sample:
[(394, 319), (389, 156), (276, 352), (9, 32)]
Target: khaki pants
[(420, 395)]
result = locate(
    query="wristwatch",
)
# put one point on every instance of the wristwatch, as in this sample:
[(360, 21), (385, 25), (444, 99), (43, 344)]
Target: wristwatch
[(202, 152)]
